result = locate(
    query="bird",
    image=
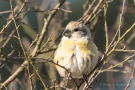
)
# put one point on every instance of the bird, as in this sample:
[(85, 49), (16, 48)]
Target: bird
[(76, 53)]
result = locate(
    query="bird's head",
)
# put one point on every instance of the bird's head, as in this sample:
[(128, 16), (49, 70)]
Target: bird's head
[(75, 29)]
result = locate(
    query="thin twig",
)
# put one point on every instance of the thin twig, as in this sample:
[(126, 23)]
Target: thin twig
[(87, 11), (119, 63), (119, 50), (46, 23), (127, 31), (25, 63), (46, 51), (44, 45), (20, 42), (106, 31), (131, 77), (37, 10), (33, 42), (9, 37), (121, 19), (94, 11), (9, 22)]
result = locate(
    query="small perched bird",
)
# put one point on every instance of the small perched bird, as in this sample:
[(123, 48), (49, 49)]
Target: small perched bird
[(76, 51)]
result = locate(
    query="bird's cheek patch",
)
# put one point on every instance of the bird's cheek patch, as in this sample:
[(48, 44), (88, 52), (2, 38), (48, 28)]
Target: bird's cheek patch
[(84, 33), (67, 33)]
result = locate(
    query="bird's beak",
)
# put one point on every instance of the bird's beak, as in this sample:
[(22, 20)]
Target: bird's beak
[(67, 33)]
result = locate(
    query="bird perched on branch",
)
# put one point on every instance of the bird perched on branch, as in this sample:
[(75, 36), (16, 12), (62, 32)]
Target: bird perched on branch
[(76, 52)]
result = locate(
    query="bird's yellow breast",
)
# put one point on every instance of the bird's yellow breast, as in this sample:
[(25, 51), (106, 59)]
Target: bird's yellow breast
[(68, 47), (83, 45)]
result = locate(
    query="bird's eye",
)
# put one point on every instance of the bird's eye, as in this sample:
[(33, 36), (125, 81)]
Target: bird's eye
[(76, 29)]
